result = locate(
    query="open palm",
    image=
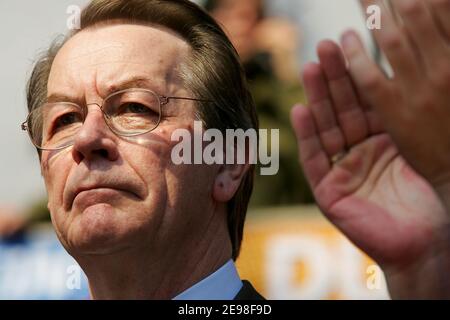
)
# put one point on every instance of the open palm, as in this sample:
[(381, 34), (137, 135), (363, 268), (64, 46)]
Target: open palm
[(360, 181)]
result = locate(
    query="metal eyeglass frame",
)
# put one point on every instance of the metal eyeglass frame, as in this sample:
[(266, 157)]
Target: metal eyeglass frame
[(163, 100)]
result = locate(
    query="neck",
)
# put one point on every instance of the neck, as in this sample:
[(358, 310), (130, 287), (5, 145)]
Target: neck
[(158, 273)]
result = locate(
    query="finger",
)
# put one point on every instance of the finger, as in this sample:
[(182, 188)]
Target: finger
[(348, 109), (320, 103), (395, 44), (421, 28), (373, 119), (441, 12), (312, 155), (369, 79)]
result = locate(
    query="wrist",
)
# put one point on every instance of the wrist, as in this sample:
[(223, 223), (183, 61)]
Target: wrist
[(424, 278)]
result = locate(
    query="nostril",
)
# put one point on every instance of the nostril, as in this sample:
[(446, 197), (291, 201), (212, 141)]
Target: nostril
[(99, 153), (78, 156), (102, 152)]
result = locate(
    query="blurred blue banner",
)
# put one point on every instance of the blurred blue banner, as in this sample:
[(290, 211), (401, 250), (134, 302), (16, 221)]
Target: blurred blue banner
[(36, 266)]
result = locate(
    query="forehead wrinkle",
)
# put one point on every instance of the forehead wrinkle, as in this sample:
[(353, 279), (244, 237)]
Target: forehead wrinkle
[(161, 77), (164, 72), (105, 51)]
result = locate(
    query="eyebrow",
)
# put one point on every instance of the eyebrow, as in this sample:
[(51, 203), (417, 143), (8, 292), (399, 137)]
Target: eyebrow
[(133, 82)]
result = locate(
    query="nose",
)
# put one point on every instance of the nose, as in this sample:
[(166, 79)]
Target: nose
[(94, 140)]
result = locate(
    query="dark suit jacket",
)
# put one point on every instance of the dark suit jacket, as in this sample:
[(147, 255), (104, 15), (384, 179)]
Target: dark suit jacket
[(248, 292)]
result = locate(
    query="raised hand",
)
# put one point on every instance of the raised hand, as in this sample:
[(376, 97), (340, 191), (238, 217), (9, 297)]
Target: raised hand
[(414, 105), (360, 181)]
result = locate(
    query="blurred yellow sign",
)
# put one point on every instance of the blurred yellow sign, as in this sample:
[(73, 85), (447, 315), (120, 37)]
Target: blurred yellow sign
[(295, 253)]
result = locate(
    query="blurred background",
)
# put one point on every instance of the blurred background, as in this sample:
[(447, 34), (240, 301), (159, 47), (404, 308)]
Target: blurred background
[(289, 252)]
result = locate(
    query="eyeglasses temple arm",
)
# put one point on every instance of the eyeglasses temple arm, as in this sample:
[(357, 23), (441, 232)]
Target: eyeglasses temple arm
[(165, 100)]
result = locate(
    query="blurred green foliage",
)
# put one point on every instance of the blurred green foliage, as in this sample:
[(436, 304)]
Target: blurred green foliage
[(274, 100)]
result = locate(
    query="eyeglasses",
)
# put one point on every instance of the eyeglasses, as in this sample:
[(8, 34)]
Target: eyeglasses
[(130, 112)]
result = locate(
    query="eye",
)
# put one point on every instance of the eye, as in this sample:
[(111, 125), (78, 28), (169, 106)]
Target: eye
[(66, 120), (134, 107)]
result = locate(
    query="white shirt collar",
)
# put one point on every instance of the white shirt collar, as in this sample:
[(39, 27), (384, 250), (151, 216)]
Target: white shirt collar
[(223, 284)]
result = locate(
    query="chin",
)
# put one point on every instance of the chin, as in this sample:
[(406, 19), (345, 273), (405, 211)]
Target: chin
[(100, 229)]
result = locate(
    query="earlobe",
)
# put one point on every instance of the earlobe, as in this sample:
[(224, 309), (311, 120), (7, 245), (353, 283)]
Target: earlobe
[(228, 180)]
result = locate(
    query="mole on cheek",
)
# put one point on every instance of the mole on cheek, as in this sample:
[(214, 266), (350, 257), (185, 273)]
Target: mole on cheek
[(163, 153)]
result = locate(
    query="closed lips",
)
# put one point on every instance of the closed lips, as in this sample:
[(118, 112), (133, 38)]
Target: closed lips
[(119, 187)]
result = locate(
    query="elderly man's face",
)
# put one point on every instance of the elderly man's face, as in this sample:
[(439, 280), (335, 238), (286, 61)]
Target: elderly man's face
[(108, 193)]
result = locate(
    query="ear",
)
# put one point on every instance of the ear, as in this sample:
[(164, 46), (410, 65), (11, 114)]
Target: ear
[(228, 180)]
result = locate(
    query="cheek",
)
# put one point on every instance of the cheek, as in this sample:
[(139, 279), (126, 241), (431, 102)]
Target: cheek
[(150, 155), (192, 181), (149, 159), (55, 170), (183, 184)]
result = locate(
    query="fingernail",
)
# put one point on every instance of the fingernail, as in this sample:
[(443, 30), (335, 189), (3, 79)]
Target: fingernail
[(349, 40)]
